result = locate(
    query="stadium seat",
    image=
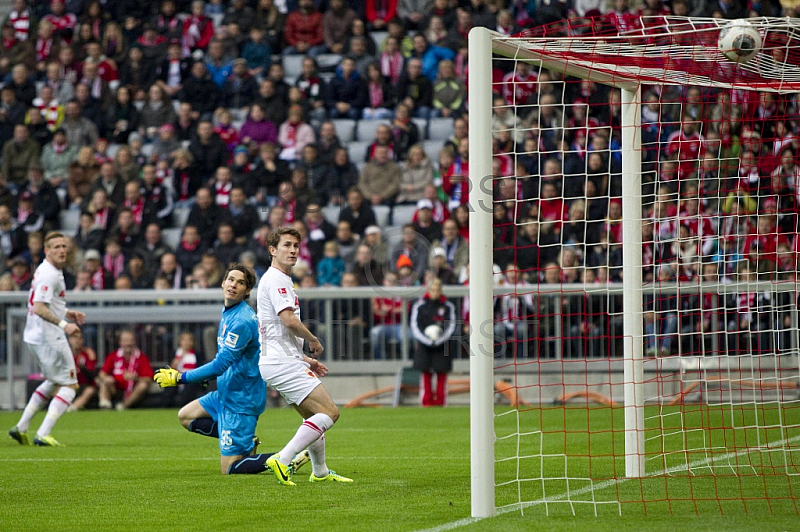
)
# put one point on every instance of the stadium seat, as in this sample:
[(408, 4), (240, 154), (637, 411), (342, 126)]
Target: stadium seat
[(70, 220), (403, 214), (365, 130), (292, 66), (346, 129), (422, 125), (432, 148), (179, 216), (331, 213), (171, 236), (357, 151), (440, 128), (147, 150), (381, 215), (379, 37), (328, 62)]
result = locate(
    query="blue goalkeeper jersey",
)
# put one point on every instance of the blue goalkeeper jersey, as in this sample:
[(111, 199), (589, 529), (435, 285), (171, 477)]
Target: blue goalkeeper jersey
[(239, 384)]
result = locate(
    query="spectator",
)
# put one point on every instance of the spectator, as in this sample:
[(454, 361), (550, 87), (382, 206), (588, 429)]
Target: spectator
[(382, 97), (91, 107), (383, 137), (198, 30), (392, 61), (85, 365), (405, 132), (186, 123), (319, 230), (14, 51), (424, 224), (294, 135), (437, 33), (257, 53), (415, 90), (358, 213), (328, 142), (46, 203), (381, 178), (274, 103), (304, 31), (331, 268), (379, 13), (414, 249), (455, 247), (359, 53), (19, 154), (240, 88), (200, 91), (89, 235), (208, 151), (169, 270), (417, 174), (156, 112), (387, 315), (23, 86), (152, 248), (336, 26), (139, 277), (21, 275), (347, 92), (367, 270), (125, 372), (449, 92), (268, 173), (57, 158), (343, 176), (347, 241), (257, 129), (126, 232), (136, 72), (190, 249), (226, 248), (206, 216), (221, 186), (243, 216), (110, 182), (12, 238)]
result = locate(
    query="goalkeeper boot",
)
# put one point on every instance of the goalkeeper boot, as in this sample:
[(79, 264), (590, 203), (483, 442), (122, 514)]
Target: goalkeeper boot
[(299, 460), (21, 437), (332, 476), (46, 441), (282, 472)]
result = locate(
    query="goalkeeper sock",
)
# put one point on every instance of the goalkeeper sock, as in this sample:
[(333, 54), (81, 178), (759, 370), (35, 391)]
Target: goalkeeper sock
[(317, 452), (205, 426), (38, 399), (250, 465), (57, 407), (309, 432)]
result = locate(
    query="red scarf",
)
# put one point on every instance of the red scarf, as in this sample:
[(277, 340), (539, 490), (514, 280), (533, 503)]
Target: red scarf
[(223, 193), (137, 210), (115, 265), (101, 217), (189, 247), (392, 66), (8, 43), (98, 279)]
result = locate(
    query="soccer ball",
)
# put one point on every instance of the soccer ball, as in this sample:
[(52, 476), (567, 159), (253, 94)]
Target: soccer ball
[(433, 332), (739, 41)]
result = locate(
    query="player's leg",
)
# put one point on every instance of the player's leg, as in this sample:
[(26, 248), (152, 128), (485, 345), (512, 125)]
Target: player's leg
[(201, 415), (58, 406), (38, 399)]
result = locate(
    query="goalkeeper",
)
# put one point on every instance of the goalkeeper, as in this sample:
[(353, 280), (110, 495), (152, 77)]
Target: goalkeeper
[(231, 412)]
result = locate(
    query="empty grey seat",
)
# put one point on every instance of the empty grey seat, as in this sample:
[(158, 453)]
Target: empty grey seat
[(292, 66), (365, 130), (345, 129), (440, 128)]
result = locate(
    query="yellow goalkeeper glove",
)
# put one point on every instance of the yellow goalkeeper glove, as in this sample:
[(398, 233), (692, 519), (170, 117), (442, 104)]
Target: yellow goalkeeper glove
[(167, 377)]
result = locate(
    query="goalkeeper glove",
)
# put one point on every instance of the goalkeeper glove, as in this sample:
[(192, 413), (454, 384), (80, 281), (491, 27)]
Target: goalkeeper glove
[(167, 377)]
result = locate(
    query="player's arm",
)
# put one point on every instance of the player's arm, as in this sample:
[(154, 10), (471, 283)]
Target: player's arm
[(42, 309), (293, 323)]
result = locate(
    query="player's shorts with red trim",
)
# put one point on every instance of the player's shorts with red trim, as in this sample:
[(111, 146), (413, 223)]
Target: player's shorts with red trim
[(293, 379), (56, 361)]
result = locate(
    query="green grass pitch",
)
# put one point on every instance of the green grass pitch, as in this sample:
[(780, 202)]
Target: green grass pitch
[(139, 470)]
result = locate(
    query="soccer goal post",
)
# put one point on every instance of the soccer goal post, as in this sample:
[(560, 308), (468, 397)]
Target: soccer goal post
[(633, 266)]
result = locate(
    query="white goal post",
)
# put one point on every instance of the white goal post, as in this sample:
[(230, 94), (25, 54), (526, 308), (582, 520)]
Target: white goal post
[(626, 62)]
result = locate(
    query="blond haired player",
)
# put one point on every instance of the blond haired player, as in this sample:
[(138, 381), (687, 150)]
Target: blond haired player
[(46, 331), (284, 366)]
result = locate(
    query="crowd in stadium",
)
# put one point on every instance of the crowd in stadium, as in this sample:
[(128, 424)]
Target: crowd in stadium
[(172, 137)]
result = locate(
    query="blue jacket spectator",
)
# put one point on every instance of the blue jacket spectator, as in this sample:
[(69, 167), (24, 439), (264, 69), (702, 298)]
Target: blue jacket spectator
[(257, 53), (347, 92), (430, 56)]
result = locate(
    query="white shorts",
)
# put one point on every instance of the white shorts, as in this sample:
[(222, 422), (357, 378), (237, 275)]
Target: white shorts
[(56, 361), (294, 380)]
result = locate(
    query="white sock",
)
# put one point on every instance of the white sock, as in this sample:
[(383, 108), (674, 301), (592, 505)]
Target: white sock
[(310, 431), (39, 398), (317, 452), (58, 406)]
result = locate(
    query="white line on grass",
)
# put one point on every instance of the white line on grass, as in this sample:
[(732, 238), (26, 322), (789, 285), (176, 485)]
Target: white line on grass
[(773, 446)]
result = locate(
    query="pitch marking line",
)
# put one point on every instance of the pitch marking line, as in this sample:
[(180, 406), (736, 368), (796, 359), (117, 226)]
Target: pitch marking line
[(612, 482)]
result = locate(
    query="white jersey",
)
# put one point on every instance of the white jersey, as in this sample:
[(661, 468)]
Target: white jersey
[(275, 294), (47, 286)]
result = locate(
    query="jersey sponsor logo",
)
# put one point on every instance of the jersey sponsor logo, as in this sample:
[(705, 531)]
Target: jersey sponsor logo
[(282, 291), (231, 339)]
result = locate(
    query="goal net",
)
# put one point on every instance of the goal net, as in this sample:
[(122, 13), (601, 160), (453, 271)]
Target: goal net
[(633, 270)]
